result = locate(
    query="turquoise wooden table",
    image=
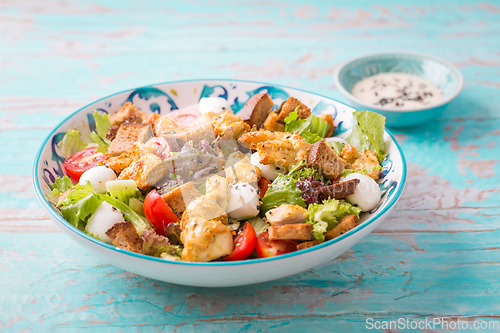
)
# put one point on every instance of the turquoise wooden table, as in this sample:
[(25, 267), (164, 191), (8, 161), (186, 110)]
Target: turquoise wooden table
[(436, 256)]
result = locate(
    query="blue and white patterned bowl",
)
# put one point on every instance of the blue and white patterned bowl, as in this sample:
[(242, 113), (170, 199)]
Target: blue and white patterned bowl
[(438, 71), (166, 97)]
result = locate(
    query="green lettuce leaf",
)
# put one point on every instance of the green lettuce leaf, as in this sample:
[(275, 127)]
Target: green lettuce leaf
[(102, 125), (336, 146), (157, 245), (311, 129), (329, 212), (80, 204), (125, 195), (61, 184), (282, 190), (259, 225), (346, 172), (140, 223), (368, 133), (71, 143)]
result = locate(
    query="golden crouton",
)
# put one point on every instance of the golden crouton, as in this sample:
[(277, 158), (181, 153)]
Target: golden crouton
[(323, 158), (306, 245), (345, 224), (178, 198), (146, 171), (301, 231), (127, 136), (124, 235), (128, 112), (290, 106), (256, 109), (271, 123)]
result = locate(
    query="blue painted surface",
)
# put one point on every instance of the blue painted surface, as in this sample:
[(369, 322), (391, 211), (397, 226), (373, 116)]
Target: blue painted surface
[(437, 255)]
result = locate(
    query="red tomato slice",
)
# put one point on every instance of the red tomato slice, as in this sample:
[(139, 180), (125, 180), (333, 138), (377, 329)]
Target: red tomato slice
[(244, 243), (158, 213), (270, 248), (185, 117), (264, 184), (164, 150), (81, 161)]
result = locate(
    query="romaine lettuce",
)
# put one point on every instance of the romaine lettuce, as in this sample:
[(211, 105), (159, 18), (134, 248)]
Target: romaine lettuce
[(311, 129), (71, 143), (60, 185), (259, 225), (102, 125), (329, 212), (368, 133), (80, 204), (282, 190)]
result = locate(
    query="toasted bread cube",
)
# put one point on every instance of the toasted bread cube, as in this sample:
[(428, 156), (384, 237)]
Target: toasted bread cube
[(291, 105), (195, 134), (345, 224), (125, 236), (306, 245), (323, 158), (128, 112), (178, 198), (256, 109), (271, 123), (146, 171), (329, 119), (338, 190), (127, 136), (302, 231)]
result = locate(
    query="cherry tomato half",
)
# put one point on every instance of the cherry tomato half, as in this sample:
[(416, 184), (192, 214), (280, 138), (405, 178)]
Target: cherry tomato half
[(264, 184), (244, 243), (158, 213), (81, 161), (271, 248)]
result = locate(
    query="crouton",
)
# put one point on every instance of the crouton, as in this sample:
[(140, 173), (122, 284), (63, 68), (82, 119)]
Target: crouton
[(163, 125), (127, 135), (256, 109), (286, 214), (228, 126), (118, 163), (178, 198), (195, 134), (124, 235), (146, 171), (306, 245), (345, 224), (324, 159), (338, 190), (129, 112), (291, 105), (301, 231), (329, 119), (271, 123)]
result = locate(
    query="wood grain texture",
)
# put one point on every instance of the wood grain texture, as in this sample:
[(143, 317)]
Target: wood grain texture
[(437, 255)]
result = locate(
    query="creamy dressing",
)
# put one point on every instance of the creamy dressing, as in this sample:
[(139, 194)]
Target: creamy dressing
[(399, 90)]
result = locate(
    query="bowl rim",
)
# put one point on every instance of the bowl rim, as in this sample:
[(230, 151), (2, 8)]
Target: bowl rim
[(348, 94), (57, 217)]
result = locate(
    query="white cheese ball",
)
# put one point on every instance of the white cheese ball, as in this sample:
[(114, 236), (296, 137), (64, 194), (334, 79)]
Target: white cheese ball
[(213, 104), (270, 171), (98, 176), (102, 220), (243, 201), (367, 194), (335, 139)]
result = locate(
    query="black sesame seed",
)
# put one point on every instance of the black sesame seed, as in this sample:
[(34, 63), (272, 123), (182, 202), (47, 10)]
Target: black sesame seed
[(244, 185)]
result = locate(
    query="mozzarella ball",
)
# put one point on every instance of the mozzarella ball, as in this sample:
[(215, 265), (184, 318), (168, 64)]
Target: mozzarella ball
[(243, 201), (98, 176), (367, 194), (102, 220), (214, 105), (335, 139), (270, 171)]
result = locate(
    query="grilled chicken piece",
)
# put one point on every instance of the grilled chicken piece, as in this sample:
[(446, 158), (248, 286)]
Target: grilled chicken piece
[(357, 161), (217, 188), (202, 209), (206, 240), (146, 171), (286, 214), (279, 148), (228, 126), (238, 168)]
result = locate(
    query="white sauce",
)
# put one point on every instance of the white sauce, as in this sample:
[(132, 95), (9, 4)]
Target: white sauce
[(399, 90)]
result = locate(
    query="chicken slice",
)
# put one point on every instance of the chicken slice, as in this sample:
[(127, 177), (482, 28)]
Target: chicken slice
[(286, 214), (281, 149), (238, 168), (206, 240), (228, 126), (364, 161), (217, 188)]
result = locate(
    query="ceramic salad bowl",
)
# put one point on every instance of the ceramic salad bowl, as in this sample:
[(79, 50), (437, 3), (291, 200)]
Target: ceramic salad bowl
[(438, 71), (166, 97)]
